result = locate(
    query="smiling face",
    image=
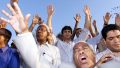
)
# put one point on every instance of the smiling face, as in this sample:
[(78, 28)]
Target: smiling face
[(83, 55)]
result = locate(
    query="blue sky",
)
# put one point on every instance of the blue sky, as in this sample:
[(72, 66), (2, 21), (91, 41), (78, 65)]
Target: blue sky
[(65, 10)]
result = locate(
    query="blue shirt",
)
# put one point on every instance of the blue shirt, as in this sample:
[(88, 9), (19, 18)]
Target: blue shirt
[(9, 58)]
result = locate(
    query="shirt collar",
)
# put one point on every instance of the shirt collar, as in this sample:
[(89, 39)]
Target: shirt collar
[(45, 44), (3, 49)]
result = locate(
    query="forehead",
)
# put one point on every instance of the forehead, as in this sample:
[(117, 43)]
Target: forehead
[(42, 27), (113, 33), (81, 45), (66, 30)]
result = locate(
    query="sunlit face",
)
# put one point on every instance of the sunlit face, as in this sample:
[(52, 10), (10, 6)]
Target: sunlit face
[(67, 34), (41, 33), (113, 40), (83, 55)]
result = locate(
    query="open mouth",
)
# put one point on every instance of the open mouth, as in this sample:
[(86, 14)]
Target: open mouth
[(83, 59)]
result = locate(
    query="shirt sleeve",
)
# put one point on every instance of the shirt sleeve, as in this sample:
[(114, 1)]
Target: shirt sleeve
[(27, 47), (95, 40), (83, 36), (57, 60)]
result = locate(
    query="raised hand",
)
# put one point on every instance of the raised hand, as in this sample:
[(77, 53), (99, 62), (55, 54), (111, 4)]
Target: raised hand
[(16, 20), (37, 19), (105, 58), (77, 18), (106, 18), (117, 20), (87, 10), (50, 10)]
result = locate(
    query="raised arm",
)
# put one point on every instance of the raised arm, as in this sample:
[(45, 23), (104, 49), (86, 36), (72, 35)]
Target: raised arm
[(77, 19), (106, 18), (84, 34), (95, 26), (50, 11), (87, 17), (117, 19), (88, 20), (24, 41), (36, 20)]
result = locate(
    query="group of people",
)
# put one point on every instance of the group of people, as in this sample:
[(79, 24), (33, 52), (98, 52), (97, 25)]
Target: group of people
[(78, 48)]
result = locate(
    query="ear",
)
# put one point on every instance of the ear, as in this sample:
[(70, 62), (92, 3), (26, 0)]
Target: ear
[(104, 41)]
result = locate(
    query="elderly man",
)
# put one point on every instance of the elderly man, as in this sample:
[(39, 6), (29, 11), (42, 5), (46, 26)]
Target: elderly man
[(84, 56)]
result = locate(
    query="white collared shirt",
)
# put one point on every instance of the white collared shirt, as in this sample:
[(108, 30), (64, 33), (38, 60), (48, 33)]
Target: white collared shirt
[(99, 55), (37, 56), (49, 56), (66, 48)]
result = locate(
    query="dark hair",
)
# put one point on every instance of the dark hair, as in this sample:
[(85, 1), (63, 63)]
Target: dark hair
[(66, 28), (79, 29), (6, 33), (108, 28)]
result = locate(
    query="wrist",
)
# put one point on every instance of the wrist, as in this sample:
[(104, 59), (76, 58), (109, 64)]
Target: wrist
[(33, 24), (105, 24)]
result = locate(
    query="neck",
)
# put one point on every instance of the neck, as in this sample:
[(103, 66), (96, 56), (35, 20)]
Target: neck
[(42, 42), (116, 53), (67, 40), (2, 45)]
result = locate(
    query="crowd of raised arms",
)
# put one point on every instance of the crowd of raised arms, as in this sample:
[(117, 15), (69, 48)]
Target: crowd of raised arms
[(78, 48)]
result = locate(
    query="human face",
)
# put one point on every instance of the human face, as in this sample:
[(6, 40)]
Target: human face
[(41, 33), (2, 40), (83, 56), (67, 34), (78, 32), (113, 40)]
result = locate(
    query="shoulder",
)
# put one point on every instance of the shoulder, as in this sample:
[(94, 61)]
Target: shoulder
[(99, 55), (13, 51), (53, 48)]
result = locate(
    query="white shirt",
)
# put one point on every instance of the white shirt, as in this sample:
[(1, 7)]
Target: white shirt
[(66, 48), (94, 41), (110, 64), (50, 56), (99, 55), (37, 56)]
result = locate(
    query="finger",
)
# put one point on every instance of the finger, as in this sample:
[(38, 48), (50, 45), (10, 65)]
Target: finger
[(11, 9), (27, 18), (6, 14), (18, 9), (6, 20)]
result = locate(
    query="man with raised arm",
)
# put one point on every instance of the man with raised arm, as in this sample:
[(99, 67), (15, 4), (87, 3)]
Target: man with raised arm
[(40, 55)]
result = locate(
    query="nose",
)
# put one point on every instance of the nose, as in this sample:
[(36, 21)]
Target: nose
[(81, 52), (116, 40)]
